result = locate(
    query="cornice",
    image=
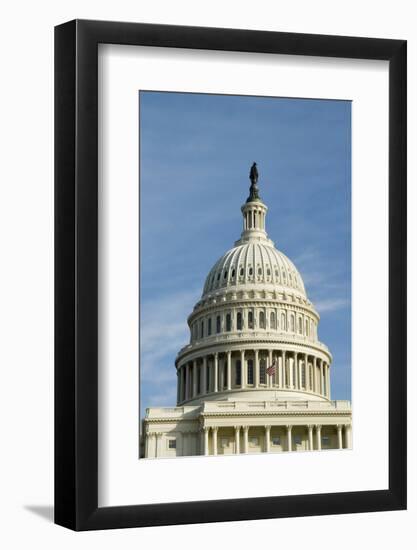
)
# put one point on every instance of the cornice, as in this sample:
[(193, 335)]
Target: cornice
[(237, 414), (238, 344)]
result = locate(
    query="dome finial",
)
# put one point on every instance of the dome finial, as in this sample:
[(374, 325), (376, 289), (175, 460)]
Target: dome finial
[(254, 189)]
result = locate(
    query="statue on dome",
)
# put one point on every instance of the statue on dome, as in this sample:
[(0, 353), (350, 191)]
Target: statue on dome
[(253, 176), (253, 190)]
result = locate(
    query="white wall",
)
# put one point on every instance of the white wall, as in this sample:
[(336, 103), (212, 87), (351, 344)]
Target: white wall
[(26, 292)]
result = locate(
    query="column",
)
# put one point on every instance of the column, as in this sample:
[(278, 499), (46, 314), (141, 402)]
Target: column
[(151, 445), (256, 368), (267, 439), (187, 382), (339, 437), (289, 438), (300, 371), (321, 377), (194, 377), (328, 380), (158, 437), (229, 370), (206, 440), (204, 381), (315, 374), (214, 430), (245, 438), (178, 386), (147, 444), (243, 369), (318, 436), (237, 439), (269, 378), (291, 369), (348, 436), (216, 372), (280, 369), (184, 451), (310, 437), (307, 370)]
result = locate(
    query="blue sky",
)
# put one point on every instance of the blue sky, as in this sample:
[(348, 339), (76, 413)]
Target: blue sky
[(195, 154)]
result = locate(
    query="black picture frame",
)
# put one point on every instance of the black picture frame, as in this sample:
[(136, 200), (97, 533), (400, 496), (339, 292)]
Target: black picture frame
[(76, 273)]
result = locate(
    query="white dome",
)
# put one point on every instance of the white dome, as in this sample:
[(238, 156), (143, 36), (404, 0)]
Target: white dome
[(253, 312), (257, 263)]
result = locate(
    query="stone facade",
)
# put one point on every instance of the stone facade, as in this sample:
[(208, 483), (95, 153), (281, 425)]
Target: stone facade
[(254, 377)]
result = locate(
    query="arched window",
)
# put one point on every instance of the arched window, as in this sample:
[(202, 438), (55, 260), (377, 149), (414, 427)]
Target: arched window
[(292, 323), (303, 376), (225, 274), (250, 319), (209, 327), (208, 379), (238, 373), (300, 325), (233, 273), (283, 321), (250, 371), (239, 321), (250, 271), (262, 371), (272, 321), (261, 319), (218, 324), (306, 325), (202, 329), (242, 271), (268, 272), (259, 271), (228, 322)]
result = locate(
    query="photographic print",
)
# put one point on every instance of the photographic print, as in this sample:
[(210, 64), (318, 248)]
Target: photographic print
[(245, 275)]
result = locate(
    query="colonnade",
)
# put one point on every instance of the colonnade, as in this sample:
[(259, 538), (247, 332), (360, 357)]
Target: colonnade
[(232, 370), (269, 318), (312, 438)]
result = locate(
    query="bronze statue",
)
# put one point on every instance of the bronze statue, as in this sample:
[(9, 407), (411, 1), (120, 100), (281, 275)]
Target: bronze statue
[(253, 190), (253, 176)]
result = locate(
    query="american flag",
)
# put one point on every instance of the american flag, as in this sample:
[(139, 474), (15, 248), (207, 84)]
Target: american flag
[(271, 369)]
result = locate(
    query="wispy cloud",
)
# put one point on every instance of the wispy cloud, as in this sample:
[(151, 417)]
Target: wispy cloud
[(331, 304), (164, 331)]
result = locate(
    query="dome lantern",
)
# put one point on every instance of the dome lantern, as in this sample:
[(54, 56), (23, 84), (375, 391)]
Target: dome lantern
[(254, 213)]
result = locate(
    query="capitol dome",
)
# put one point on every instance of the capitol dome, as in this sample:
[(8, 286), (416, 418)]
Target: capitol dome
[(253, 333)]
